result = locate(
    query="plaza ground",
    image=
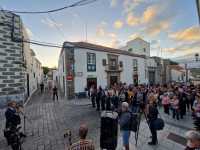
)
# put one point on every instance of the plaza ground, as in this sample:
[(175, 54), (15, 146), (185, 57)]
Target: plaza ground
[(47, 122)]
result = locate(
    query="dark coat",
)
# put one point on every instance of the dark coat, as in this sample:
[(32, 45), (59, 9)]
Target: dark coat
[(125, 119), (12, 119), (153, 113)]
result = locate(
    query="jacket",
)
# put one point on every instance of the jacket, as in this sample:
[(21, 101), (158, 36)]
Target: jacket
[(12, 119), (125, 119)]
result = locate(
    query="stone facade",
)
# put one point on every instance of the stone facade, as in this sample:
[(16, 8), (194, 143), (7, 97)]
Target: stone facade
[(14, 61), (11, 58)]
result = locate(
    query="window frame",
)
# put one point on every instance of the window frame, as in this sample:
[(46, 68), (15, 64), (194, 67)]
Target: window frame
[(91, 62)]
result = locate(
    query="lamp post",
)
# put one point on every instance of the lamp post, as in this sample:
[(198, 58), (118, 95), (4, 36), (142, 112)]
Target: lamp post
[(197, 57), (198, 8)]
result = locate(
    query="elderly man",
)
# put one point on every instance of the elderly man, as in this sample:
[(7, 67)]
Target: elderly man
[(83, 144), (125, 119), (193, 140)]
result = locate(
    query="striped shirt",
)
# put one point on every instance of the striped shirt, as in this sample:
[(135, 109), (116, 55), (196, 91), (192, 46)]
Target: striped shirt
[(82, 145)]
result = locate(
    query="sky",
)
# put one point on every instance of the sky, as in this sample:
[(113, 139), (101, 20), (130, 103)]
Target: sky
[(171, 26)]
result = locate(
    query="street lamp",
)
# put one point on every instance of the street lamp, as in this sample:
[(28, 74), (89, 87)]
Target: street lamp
[(197, 57), (198, 8)]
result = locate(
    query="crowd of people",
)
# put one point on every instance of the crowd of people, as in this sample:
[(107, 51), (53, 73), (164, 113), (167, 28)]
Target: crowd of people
[(175, 98)]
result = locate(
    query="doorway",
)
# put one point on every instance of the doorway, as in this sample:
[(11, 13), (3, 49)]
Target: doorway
[(113, 80), (91, 81), (28, 86), (151, 77), (135, 79)]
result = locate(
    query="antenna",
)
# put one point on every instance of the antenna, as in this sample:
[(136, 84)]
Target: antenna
[(86, 31), (158, 51)]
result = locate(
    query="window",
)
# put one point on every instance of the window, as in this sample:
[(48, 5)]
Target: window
[(104, 62), (121, 64), (135, 65), (113, 62), (63, 64), (91, 62), (130, 49), (144, 49)]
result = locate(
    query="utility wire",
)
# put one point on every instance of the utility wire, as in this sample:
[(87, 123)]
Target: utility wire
[(79, 3), (45, 44), (56, 26)]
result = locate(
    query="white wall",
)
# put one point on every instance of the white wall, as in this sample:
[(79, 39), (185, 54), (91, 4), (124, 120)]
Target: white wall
[(81, 66), (62, 73), (151, 62), (101, 75), (127, 73), (138, 46), (177, 75), (142, 78)]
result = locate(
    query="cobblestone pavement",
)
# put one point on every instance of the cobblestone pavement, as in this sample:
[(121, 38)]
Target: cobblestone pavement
[(48, 120)]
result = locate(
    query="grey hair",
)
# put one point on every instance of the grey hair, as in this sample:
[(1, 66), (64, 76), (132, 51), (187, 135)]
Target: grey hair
[(125, 105), (192, 135)]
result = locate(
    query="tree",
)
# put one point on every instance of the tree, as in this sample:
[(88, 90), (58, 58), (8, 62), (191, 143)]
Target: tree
[(45, 70)]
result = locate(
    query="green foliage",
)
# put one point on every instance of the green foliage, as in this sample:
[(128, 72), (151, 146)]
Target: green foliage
[(45, 70)]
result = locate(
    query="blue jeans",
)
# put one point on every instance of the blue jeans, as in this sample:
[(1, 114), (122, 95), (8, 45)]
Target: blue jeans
[(125, 137)]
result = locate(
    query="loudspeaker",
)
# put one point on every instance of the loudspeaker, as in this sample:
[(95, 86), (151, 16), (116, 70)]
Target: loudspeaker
[(109, 130)]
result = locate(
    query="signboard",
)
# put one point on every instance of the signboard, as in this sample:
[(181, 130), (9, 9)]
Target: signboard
[(69, 78), (92, 76), (193, 65)]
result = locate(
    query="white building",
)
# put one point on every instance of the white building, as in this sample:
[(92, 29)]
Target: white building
[(138, 46), (83, 64), (55, 77), (142, 47), (177, 73), (33, 67)]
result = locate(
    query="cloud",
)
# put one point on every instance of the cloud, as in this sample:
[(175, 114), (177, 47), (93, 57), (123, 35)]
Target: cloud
[(100, 31), (132, 20), (188, 34), (149, 16), (113, 3), (114, 43), (29, 32), (103, 23), (133, 36), (184, 48), (112, 35), (51, 23), (118, 24), (156, 27), (155, 18), (131, 5), (150, 13)]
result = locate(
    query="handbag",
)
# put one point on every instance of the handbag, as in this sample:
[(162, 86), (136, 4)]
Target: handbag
[(159, 123)]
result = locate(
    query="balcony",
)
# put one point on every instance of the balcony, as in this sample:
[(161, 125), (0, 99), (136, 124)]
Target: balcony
[(116, 68)]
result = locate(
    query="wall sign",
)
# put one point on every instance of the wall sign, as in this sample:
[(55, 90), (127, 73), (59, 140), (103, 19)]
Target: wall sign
[(69, 78), (92, 76)]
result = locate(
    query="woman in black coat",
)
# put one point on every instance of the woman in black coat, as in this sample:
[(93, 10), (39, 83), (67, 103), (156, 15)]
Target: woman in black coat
[(152, 116)]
